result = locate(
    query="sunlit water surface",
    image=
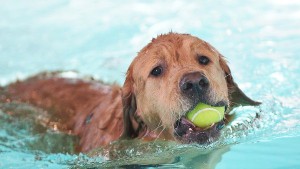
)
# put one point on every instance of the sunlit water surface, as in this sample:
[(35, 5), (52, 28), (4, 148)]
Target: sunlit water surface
[(100, 38)]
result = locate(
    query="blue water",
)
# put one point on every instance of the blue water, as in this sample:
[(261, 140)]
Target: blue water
[(100, 38)]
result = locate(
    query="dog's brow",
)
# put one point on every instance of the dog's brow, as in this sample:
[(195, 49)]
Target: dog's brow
[(167, 47), (206, 48), (194, 45)]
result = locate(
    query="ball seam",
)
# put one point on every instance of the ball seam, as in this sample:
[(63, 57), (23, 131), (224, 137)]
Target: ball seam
[(200, 111)]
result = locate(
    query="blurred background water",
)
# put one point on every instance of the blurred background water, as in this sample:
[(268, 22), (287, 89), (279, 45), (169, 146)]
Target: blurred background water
[(260, 39)]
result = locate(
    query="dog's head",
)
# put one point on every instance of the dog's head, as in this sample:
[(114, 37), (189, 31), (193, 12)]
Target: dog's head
[(167, 79)]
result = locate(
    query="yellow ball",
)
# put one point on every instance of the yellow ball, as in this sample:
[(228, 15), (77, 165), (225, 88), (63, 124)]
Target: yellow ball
[(204, 115)]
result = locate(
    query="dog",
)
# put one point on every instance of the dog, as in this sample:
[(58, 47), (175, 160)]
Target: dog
[(167, 79)]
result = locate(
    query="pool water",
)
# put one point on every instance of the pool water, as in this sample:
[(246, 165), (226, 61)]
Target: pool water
[(100, 38)]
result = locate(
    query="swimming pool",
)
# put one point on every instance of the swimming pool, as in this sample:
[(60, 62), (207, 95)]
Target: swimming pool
[(100, 38)]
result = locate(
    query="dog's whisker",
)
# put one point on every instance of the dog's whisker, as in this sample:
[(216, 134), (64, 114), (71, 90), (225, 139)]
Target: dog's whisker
[(158, 136), (159, 125), (154, 130), (157, 128)]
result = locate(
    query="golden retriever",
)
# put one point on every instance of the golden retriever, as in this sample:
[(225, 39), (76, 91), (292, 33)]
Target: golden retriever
[(168, 78)]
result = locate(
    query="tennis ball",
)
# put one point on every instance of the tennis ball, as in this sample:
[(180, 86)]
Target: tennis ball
[(204, 115)]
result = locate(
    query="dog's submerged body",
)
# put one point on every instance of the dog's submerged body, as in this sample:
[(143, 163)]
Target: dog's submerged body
[(167, 79), (87, 108)]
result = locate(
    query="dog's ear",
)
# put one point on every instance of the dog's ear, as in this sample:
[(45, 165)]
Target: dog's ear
[(236, 96), (132, 123)]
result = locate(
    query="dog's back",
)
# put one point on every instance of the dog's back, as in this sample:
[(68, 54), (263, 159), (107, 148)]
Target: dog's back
[(87, 108)]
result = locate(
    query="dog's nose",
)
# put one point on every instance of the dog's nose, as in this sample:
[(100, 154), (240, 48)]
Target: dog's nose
[(194, 83)]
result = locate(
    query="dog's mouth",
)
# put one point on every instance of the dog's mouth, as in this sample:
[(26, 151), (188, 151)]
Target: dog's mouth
[(187, 132)]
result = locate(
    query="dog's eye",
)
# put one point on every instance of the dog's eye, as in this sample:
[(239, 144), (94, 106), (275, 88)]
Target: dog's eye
[(157, 71), (203, 60)]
